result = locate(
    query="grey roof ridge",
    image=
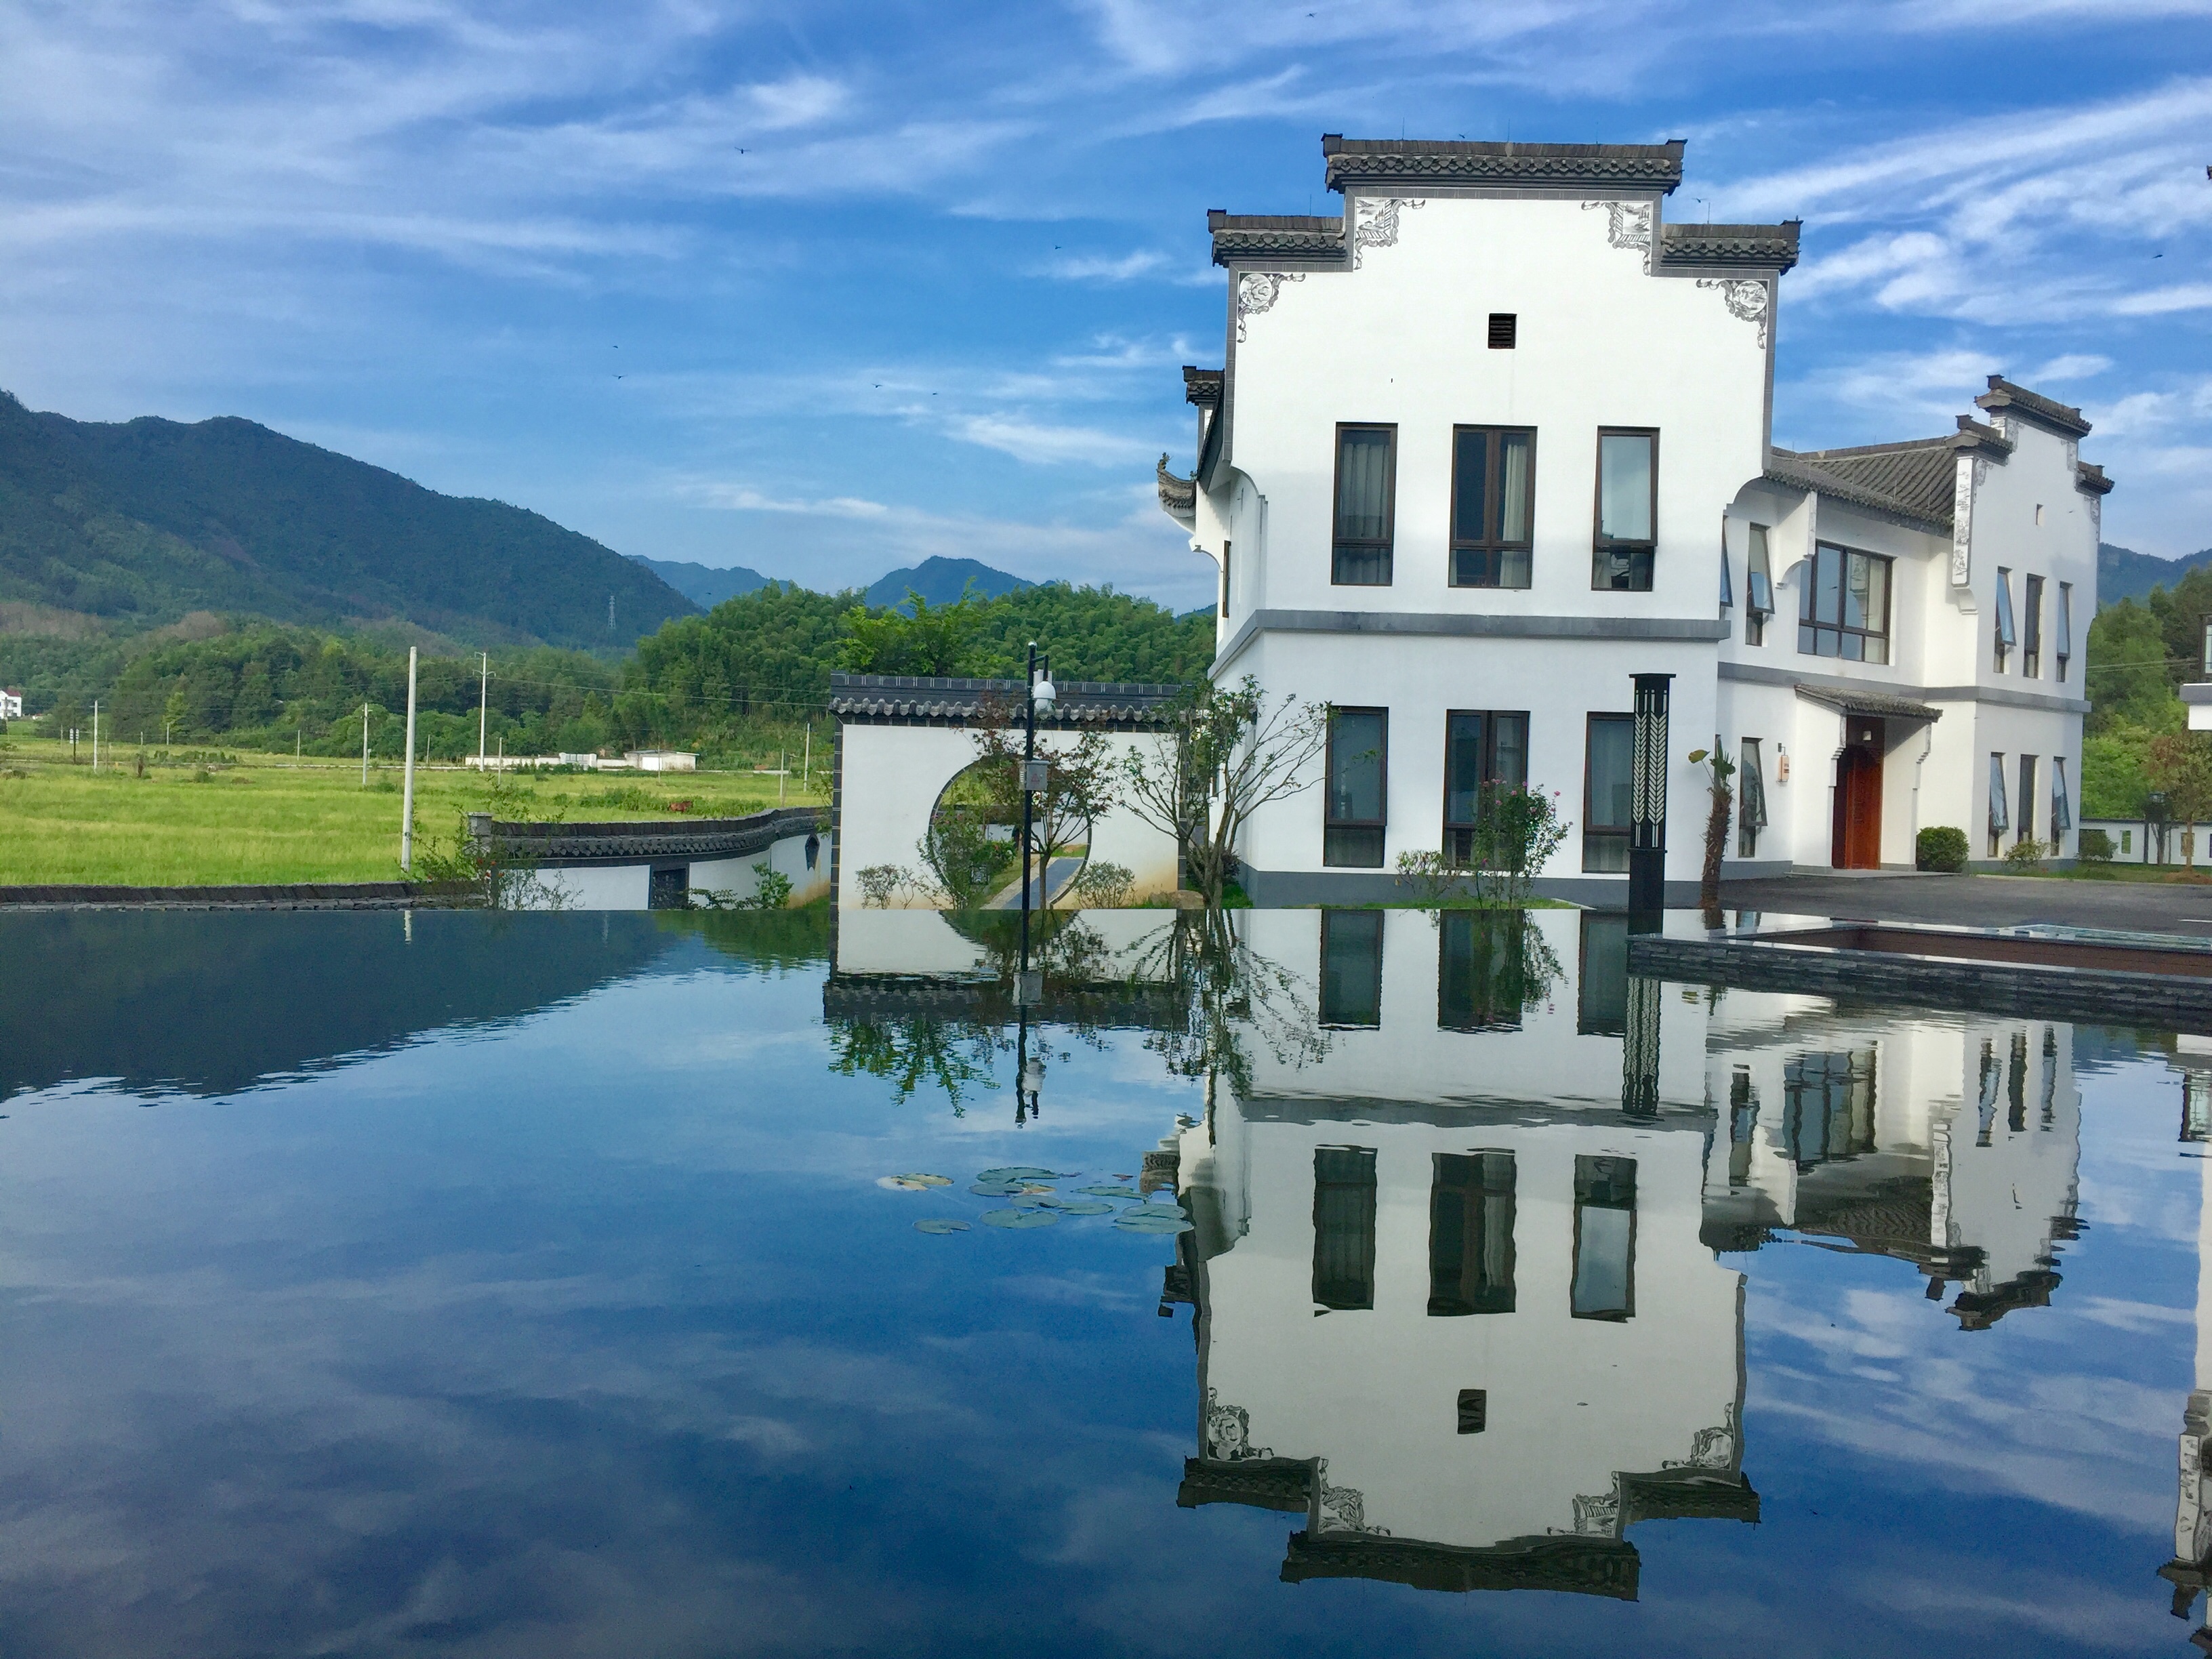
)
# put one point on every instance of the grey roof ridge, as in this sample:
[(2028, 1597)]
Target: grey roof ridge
[(1785, 468), (1944, 442), (2010, 396)]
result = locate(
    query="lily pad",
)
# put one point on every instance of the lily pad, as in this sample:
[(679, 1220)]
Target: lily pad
[(1018, 1217), (1032, 1187), (1108, 1191), (927, 1180), (1156, 1211), (1130, 1222), (911, 1183), (1019, 1172), (939, 1224), (1083, 1206), (996, 1189)]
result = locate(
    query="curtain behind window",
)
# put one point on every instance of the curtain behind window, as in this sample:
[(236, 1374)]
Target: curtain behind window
[(1513, 487), (1362, 480)]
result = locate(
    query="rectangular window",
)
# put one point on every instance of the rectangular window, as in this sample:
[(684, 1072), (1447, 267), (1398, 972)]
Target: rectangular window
[(1609, 781), (1845, 609), (2030, 649), (1602, 974), (1627, 510), (1751, 813), (1743, 1125), (1227, 550), (1358, 769), (1471, 1235), (2005, 637), (1493, 495), (2026, 828), (1343, 1227), (1485, 752), (1366, 495), (1352, 968), (1828, 1107), (1481, 970), (1605, 1238), (2000, 819), (2065, 621), (1505, 328), (2061, 804), (1758, 589), (1473, 1410)]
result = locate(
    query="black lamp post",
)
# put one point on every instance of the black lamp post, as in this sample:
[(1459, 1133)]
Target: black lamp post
[(1039, 696), (1647, 815)]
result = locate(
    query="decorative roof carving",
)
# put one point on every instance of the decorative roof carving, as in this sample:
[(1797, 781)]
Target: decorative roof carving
[(1257, 292), (1375, 222), (1745, 297), (1627, 224), (1381, 164), (1178, 496), (2004, 398), (1203, 386), (1296, 237), (1759, 247)]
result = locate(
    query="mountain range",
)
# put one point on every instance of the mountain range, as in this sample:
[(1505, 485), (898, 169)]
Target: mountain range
[(940, 580), (2124, 573)]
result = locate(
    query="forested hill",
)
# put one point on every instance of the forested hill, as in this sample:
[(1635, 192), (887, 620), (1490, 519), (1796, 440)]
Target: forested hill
[(137, 523)]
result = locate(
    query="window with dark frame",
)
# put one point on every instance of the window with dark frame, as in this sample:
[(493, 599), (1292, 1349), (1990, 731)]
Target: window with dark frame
[(1471, 1234), (1366, 492), (2025, 829), (2065, 651), (1828, 1104), (1504, 327), (1493, 499), (1486, 750), (1356, 789), (1351, 968), (1608, 786), (1758, 589), (2004, 636), (1751, 813), (1627, 510), (2031, 633), (1227, 549), (1482, 969), (1604, 1284), (1473, 1410), (1343, 1227), (1845, 612)]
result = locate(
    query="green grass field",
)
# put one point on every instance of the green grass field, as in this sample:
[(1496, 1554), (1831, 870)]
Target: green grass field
[(195, 819)]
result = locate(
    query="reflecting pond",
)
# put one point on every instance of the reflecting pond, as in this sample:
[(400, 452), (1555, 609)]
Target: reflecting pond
[(1342, 1282)]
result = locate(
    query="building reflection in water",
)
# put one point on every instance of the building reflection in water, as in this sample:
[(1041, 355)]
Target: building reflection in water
[(1456, 1283), (2189, 1572)]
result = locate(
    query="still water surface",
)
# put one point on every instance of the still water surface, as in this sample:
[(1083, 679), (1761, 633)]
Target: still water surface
[(531, 1285)]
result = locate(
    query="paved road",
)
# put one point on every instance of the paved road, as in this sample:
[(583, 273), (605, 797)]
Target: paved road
[(1984, 901)]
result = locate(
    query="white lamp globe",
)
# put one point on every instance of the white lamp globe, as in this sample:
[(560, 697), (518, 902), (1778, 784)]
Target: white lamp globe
[(1047, 696)]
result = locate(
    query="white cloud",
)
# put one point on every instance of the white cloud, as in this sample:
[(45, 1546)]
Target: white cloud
[(1041, 444), (1104, 268), (2072, 366), (2165, 301)]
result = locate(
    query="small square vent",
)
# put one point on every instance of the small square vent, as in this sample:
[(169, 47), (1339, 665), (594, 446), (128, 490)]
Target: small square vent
[(1503, 326)]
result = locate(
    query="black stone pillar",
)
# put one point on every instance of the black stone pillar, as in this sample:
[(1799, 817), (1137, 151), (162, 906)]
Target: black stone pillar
[(1647, 830)]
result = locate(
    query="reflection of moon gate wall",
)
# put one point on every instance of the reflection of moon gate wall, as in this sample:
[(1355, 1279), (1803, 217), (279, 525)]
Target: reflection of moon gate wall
[(902, 738)]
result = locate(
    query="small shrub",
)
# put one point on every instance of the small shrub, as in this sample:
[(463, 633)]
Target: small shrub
[(1103, 886), (2025, 855), (1940, 847), (878, 882), (2096, 846), (1432, 878)]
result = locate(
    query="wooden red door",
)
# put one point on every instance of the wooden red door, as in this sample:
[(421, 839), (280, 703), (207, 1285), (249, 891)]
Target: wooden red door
[(1856, 835)]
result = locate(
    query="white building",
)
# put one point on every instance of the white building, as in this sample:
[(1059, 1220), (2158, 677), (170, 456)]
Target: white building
[(1499, 438), (11, 704)]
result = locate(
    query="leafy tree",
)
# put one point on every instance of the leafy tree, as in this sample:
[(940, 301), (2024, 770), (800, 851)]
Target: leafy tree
[(934, 640), (2129, 680), (2179, 764)]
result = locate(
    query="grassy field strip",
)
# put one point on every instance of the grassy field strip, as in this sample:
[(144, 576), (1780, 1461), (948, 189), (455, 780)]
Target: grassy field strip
[(253, 818)]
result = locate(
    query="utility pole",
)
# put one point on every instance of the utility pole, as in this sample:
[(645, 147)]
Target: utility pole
[(95, 734), (806, 763), (364, 743), (407, 797), (782, 771), (484, 703)]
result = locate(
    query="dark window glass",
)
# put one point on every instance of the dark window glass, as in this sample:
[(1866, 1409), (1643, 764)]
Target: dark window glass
[(1751, 807), (1827, 1107), (1743, 1125), (1481, 977), (1627, 510), (1608, 786), (1352, 968), (669, 889), (1758, 589), (1605, 1238), (2066, 631), (1343, 1227), (2031, 648), (1471, 1234), (1493, 500), (2024, 829), (1473, 1410), (1601, 975), (1366, 482), (2004, 636), (1356, 789), (1227, 549), (1845, 609), (1485, 752), (1505, 328)]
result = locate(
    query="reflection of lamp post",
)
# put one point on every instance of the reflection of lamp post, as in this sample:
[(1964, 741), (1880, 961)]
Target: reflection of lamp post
[(1028, 1076), (1039, 696)]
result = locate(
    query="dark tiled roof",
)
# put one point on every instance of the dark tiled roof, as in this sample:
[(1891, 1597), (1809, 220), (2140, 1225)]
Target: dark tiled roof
[(1293, 236), (1374, 163), (1972, 434), (1876, 705), (2090, 479), (1203, 386), (1178, 496), (908, 697), (1756, 247), (1916, 478), (2004, 395), (684, 838), (1816, 471), (1568, 1562)]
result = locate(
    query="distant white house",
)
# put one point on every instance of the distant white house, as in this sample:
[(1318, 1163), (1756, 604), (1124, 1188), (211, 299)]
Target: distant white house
[(11, 704), (662, 760), (1497, 438)]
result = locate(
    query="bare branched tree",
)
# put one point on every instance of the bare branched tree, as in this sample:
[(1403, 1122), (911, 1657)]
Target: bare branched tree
[(1225, 754)]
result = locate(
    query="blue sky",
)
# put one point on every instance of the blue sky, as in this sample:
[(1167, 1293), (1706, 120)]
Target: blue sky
[(825, 289)]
